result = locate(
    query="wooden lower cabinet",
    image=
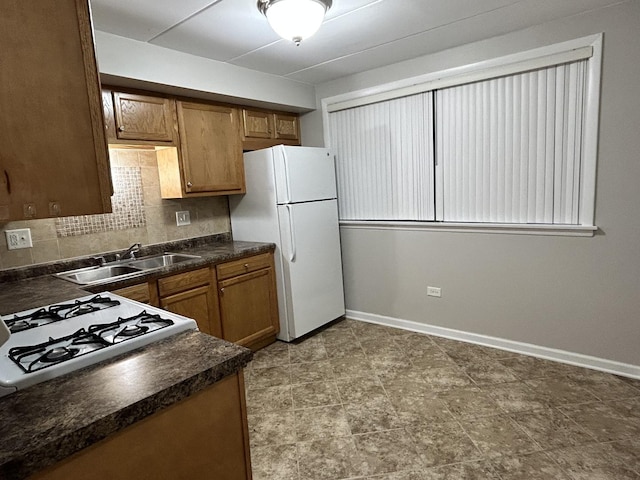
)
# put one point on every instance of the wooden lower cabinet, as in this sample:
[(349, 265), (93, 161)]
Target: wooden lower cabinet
[(248, 301), (143, 292), (192, 294), (202, 437)]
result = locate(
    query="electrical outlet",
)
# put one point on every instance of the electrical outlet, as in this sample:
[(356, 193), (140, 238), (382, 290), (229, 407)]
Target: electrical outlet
[(20, 238), (183, 218), (434, 291)]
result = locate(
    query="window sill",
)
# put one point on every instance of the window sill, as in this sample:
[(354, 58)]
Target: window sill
[(508, 228)]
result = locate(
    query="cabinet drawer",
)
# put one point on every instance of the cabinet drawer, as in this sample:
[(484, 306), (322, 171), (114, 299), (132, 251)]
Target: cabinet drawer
[(139, 293), (244, 265), (183, 281)]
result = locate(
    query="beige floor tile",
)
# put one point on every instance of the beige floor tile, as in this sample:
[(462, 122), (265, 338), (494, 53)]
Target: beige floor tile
[(489, 372), (443, 443), (274, 462), (534, 466), (321, 422), (560, 391), (469, 402), (446, 378), (276, 354), (593, 462), (552, 429), (499, 435), (479, 470), (329, 459), (307, 352), (311, 372), (603, 421), (373, 415), (316, 394), (516, 397), (604, 385), (274, 428), (386, 452), (416, 409), (360, 389), (351, 366), (267, 377), (261, 400)]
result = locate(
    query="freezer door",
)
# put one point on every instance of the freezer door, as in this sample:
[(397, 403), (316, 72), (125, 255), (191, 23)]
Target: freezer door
[(303, 174), (312, 266)]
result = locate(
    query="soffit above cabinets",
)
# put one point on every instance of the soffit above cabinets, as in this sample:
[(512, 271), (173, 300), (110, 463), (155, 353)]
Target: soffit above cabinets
[(357, 35)]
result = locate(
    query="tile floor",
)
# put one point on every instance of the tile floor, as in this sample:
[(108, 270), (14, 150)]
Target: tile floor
[(362, 401)]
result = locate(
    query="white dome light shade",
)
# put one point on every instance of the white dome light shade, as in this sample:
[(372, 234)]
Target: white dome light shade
[(295, 20)]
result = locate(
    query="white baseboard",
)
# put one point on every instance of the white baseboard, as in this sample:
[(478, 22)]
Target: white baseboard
[(570, 358)]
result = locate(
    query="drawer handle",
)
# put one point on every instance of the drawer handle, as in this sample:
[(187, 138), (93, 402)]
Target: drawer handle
[(246, 265), (189, 184), (121, 128)]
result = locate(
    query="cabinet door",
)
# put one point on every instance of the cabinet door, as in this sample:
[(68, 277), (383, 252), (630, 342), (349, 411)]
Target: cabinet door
[(257, 124), (53, 154), (286, 126), (211, 148), (199, 304), (140, 117), (142, 292), (249, 307)]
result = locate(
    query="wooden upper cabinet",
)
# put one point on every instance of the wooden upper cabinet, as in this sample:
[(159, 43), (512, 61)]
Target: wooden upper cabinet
[(211, 150), (53, 154), (286, 126), (142, 117), (263, 129), (257, 124)]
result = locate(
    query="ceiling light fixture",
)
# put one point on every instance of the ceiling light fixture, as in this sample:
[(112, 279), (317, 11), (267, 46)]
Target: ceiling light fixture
[(294, 20)]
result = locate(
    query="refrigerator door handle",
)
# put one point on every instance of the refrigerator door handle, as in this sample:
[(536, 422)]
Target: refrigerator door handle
[(292, 236), (287, 176)]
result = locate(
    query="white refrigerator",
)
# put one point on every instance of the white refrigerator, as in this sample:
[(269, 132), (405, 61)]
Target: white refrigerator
[(291, 201)]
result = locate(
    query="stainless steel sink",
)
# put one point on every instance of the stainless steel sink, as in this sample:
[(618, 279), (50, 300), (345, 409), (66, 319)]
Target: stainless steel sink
[(123, 268), (89, 275), (163, 260)]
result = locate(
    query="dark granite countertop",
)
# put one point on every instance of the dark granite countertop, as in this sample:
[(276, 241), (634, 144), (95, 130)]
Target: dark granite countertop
[(52, 420), (46, 423), (35, 286)]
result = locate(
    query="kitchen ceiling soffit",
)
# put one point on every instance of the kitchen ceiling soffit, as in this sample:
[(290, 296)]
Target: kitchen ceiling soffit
[(357, 35)]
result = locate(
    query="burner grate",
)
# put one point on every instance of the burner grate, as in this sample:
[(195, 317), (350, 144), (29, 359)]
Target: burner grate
[(130, 327), (55, 313), (56, 350)]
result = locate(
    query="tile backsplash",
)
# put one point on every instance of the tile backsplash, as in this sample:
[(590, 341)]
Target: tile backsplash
[(139, 215)]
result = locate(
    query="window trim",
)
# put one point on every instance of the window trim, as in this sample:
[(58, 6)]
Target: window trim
[(584, 47)]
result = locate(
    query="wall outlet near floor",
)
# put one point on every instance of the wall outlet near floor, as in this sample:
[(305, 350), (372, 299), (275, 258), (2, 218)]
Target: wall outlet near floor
[(434, 291), (20, 238), (183, 218)]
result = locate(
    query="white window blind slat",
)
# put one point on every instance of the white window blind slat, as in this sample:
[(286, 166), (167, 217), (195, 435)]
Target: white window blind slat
[(498, 156), (384, 160)]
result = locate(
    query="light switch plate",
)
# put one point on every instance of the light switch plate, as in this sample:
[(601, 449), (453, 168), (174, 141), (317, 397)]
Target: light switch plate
[(19, 238), (183, 218)]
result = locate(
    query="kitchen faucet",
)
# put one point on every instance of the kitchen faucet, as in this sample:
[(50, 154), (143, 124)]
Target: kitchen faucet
[(129, 252)]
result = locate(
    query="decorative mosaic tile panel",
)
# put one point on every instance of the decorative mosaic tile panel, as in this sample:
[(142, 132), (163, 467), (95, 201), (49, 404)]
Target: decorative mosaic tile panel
[(127, 203)]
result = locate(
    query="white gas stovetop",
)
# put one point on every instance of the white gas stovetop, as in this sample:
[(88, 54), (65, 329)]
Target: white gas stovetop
[(50, 341)]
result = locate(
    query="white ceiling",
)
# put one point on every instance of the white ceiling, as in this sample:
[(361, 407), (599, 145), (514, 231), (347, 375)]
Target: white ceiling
[(357, 35)]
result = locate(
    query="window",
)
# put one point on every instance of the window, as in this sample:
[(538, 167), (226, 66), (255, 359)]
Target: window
[(512, 143)]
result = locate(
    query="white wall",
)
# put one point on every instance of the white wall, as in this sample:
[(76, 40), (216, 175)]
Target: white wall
[(126, 62), (574, 294)]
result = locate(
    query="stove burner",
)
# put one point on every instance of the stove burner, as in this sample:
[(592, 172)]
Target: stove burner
[(127, 328), (32, 358), (59, 354), (131, 330), (18, 326)]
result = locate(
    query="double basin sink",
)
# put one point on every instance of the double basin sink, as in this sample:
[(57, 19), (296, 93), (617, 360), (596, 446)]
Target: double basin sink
[(123, 268)]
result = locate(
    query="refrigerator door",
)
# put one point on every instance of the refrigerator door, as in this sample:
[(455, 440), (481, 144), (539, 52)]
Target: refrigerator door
[(303, 174), (311, 265)]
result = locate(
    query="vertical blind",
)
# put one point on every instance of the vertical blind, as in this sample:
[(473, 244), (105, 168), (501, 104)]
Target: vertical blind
[(508, 149), (384, 155)]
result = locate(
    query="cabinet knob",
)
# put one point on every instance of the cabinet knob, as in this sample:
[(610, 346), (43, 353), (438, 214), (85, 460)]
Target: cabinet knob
[(246, 265), (189, 184), (121, 128), (222, 290)]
